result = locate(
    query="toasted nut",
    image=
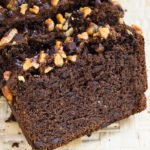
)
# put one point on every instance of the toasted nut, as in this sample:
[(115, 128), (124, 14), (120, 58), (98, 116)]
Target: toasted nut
[(7, 94), (21, 78), (8, 38), (86, 11), (48, 69), (23, 9), (58, 45), (62, 54), (92, 29), (83, 36), (72, 58), (50, 24), (121, 21), (54, 2), (1, 7), (69, 39), (27, 64), (60, 18), (42, 58), (68, 15), (66, 25), (69, 32), (137, 29), (58, 60), (7, 75), (35, 65), (35, 9), (59, 26), (104, 32), (129, 32), (12, 4)]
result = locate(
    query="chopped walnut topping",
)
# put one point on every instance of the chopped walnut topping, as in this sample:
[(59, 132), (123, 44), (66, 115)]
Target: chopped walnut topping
[(58, 45), (58, 60), (1, 7), (7, 94), (7, 75), (121, 21), (69, 39), (8, 38), (48, 69), (137, 29), (35, 9), (62, 54), (60, 18), (83, 36), (68, 15), (129, 32), (12, 4), (54, 2), (27, 64), (86, 11), (42, 58), (69, 32), (59, 26), (72, 58), (66, 25), (23, 9), (104, 32), (92, 29), (35, 65), (21, 78), (50, 24)]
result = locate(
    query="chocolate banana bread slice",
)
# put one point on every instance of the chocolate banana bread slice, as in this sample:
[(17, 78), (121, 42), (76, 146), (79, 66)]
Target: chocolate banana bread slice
[(58, 94), (72, 73)]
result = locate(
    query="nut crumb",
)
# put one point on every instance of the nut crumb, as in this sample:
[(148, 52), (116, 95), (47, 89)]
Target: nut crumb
[(121, 21), (23, 9), (104, 32), (58, 45), (72, 58), (83, 36), (92, 29), (35, 65), (27, 64), (7, 94), (59, 26), (137, 29), (58, 60), (48, 69), (60, 18), (42, 57), (69, 32), (7, 75), (86, 11), (54, 2), (50, 24), (68, 15), (66, 25), (8, 38), (129, 32), (35, 9), (21, 78)]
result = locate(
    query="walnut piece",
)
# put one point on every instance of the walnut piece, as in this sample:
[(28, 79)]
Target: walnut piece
[(72, 58), (27, 64), (48, 69), (42, 57), (58, 60), (7, 75), (59, 26), (54, 2), (21, 78), (35, 9), (104, 32), (86, 11), (23, 9), (69, 32), (8, 38), (137, 29), (83, 36), (50, 24), (60, 18), (7, 94), (92, 29)]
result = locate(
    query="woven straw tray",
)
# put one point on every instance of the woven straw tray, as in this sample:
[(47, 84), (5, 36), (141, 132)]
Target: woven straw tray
[(130, 134)]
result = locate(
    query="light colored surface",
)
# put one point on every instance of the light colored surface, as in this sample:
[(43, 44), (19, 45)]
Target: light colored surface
[(130, 134)]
